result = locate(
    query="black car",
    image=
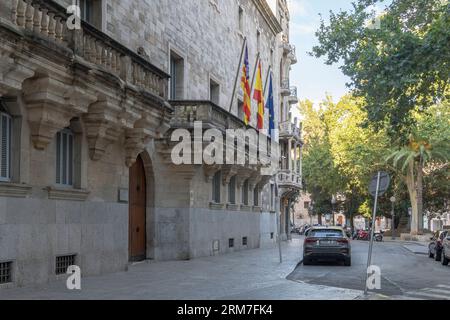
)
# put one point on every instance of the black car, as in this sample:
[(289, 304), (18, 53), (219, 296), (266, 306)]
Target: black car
[(326, 243), (435, 246)]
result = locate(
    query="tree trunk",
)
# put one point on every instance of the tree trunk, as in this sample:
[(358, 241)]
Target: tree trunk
[(419, 193), (412, 190)]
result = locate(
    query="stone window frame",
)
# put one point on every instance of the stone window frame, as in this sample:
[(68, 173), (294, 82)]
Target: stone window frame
[(5, 144), (232, 187), (216, 188), (99, 10), (180, 55), (213, 79)]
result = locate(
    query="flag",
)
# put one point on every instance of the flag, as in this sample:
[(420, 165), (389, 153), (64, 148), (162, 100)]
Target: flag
[(258, 95), (271, 108), (245, 84)]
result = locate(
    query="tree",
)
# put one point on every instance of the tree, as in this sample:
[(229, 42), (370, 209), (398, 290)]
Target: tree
[(429, 144), (399, 68)]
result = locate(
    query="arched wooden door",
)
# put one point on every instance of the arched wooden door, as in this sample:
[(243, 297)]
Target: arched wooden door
[(137, 211)]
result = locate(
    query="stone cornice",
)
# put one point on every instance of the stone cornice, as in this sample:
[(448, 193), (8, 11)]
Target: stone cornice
[(271, 19)]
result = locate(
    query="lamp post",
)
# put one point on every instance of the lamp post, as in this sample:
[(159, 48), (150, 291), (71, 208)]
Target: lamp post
[(393, 216), (333, 203)]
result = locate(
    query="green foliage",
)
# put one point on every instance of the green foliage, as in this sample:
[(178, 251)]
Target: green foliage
[(400, 68)]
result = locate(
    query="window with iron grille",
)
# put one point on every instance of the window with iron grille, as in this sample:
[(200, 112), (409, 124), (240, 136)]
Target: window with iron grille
[(64, 262), (64, 157), (5, 146), (5, 272), (271, 235), (231, 243), (244, 241)]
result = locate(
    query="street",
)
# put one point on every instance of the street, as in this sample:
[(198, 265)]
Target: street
[(405, 274), (257, 274)]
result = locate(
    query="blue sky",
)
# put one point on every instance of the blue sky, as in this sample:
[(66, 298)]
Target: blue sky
[(313, 78)]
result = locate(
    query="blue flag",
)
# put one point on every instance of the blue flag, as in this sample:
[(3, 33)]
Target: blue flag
[(271, 107)]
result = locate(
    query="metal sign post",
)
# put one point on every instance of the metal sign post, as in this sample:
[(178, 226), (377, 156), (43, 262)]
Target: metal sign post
[(379, 185)]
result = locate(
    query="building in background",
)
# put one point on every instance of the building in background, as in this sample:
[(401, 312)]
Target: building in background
[(86, 122)]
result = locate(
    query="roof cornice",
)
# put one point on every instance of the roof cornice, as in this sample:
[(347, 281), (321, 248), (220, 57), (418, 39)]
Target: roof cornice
[(266, 12)]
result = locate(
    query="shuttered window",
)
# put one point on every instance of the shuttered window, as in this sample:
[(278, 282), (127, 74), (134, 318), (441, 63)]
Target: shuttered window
[(64, 157), (5, 147)]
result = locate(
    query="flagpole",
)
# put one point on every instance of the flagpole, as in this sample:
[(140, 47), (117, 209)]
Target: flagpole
[(237, 74), (254, 73)]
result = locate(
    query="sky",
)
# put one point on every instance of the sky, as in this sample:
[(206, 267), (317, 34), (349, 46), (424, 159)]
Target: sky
[(313, 78)]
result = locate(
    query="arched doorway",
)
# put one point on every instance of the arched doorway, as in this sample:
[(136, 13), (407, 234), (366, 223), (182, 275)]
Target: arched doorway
[(137, 211)]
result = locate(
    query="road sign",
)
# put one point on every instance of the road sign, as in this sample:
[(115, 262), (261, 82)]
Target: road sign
[(385, 180)]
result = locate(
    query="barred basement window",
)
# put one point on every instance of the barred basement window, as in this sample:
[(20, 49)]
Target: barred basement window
[(231, 243), (5, 272), (64, 262), (244, 241), (271, 235), (5, 146), (64, 157)]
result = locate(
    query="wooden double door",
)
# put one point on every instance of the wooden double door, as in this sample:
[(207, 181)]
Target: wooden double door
[(137, 212)]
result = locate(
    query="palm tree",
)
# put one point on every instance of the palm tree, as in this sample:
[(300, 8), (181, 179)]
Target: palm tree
[(409, 162)]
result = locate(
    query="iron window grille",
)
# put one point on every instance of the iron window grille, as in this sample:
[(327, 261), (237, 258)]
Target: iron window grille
[(64, 157), (231, 243), (64, 262), (5, 272), (5, 146)]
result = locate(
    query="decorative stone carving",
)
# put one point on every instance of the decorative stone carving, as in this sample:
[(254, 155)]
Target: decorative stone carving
[(210, 171), (51, 107), (12, 74), (228, 173), (102, 126)]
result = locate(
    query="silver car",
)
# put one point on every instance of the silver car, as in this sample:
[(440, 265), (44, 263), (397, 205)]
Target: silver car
[(326, 243)]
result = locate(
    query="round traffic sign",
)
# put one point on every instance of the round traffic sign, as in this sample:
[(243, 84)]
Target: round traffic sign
[(385, 180)]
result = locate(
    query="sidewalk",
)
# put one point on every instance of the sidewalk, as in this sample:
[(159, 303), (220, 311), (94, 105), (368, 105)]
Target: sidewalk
[(253, 274)]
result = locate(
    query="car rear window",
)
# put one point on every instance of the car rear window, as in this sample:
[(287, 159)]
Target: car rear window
[(326, 234)]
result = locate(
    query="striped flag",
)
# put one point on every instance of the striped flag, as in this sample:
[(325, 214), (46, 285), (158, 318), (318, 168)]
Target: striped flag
[(245, 84), (258, 95)]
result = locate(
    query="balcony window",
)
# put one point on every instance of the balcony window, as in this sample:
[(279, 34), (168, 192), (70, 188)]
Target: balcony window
[(176, 77), (245, 193), (214, 92), (91, 12), (232, 191), (256, 197)]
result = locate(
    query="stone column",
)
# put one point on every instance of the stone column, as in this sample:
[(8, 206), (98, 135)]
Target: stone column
[(289, 155)]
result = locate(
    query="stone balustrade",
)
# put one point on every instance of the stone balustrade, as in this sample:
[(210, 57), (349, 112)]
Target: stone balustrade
[(289, 129), (48, 20), (287, 178)]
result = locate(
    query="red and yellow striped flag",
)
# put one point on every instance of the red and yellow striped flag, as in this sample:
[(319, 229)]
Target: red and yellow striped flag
[(245, 84), (258, 95)]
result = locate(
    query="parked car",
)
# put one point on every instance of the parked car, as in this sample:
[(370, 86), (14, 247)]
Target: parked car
[(327, 243), (435, 246), (446, 250)]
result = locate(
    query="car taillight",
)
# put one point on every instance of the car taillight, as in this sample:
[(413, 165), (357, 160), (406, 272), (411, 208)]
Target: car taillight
[(343, 241), (310, 241)]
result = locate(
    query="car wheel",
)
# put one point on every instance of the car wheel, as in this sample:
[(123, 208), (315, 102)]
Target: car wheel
[(444, 259), (430, 254), (348, 262), (306, 262), (438, 255)]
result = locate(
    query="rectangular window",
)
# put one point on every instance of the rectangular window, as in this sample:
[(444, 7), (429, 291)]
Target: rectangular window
[(245, 193), (64, 262), (271, 235), (216, 187), (176, 77), (64, 158), (306, 205), (91, 12), (272, 197), (5, 147), (231, 243), (214, 92), (256, 197), (241, 19), (232, 191), (244, 241), (5, 272)]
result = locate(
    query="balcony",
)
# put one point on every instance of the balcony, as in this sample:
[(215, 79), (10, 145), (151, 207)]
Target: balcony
[(293, 97), (292, 54), (45, 23), (289, 180), (290, 130), (285, 88)]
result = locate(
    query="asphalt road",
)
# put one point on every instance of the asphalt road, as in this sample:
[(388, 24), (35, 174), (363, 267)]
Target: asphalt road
[(405, 275)]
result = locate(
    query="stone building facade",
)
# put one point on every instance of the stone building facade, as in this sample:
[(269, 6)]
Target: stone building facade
[(86, 117)]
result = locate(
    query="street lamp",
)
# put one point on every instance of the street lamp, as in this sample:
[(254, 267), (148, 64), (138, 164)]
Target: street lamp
[(393, 216)]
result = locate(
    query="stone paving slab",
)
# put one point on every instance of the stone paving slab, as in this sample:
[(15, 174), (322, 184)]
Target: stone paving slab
[(252, 274), (416, 248)]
